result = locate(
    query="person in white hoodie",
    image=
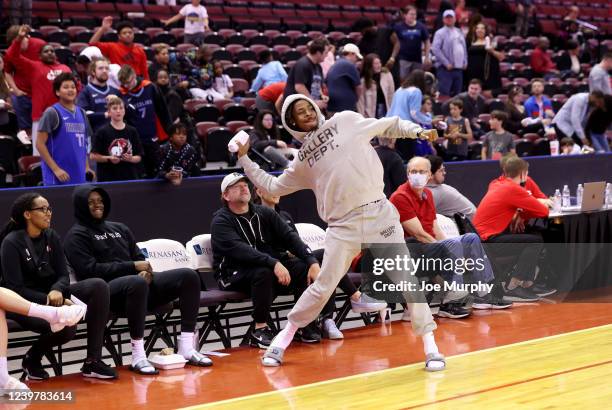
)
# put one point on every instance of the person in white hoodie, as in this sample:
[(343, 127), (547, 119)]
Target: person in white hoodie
[(338, 163)]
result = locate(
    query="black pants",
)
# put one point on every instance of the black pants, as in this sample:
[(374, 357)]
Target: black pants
[(521, 250), (262, 285), (132, 296), (95, 293)]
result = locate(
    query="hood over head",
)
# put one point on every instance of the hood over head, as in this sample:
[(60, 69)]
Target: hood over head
[(80, 198), (286, 115)]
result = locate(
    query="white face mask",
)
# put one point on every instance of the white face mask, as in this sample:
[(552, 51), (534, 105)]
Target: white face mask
[(417, 180)]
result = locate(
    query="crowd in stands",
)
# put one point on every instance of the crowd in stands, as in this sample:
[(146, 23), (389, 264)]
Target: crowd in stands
[(460, 78), (135, 115)]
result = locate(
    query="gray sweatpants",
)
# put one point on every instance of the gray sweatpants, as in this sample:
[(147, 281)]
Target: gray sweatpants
[(375, 223)]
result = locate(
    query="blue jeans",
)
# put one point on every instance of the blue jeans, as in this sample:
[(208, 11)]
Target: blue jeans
[(600, 142), (23, 110), (450, 82), (469, 247)]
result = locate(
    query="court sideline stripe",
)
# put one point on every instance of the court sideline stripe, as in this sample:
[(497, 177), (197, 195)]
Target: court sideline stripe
[(516, 383), (408, 366)]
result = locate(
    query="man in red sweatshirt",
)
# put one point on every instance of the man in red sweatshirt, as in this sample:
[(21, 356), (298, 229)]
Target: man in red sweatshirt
[(541, 63), (530, 185), (19, 80), (40, 74), (124, 51), (505, 203)]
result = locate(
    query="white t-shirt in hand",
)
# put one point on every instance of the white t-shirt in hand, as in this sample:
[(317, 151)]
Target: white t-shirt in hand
[(194, 18)]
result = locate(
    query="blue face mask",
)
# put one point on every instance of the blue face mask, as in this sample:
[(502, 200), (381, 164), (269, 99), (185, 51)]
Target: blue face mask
[(417, 180)]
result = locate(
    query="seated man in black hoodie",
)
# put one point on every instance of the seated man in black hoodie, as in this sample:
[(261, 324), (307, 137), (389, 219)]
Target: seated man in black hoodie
[(97, 248), (246, 242)]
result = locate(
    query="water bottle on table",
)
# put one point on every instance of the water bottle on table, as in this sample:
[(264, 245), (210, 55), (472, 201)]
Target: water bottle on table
[(579, 192), (565, 198), (557, 201)]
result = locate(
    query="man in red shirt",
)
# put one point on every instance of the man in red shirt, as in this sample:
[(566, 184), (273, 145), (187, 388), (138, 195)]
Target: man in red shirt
[(271, 97), (505, 203), (40, 74), (417, 212), (19, 80), (124, 51), (541, 63), (530, 185)]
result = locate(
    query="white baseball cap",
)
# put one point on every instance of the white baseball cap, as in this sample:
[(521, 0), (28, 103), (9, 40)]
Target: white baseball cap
[(92, 52), (448, 13), (352, 48), (231, 179)]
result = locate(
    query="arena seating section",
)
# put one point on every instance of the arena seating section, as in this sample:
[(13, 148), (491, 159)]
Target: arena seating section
[(242, 29)]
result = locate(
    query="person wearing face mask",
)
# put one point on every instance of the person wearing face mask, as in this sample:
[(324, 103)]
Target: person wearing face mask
[(417, 211), (504, 206), (42, 74), (338, 163)]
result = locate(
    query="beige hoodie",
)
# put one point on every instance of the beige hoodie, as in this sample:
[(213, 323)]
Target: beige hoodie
[(336, 161)]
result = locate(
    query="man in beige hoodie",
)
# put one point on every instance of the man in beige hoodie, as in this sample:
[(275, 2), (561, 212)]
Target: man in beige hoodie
[(338, 163)]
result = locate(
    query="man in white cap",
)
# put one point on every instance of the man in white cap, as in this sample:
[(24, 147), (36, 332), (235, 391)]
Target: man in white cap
[(340, 165), (343, 81), (451, 55), (253, 252)]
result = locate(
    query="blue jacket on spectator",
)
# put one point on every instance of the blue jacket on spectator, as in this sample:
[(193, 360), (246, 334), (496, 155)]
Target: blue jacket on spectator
[(406, 104), (532, 110), (270, 73)]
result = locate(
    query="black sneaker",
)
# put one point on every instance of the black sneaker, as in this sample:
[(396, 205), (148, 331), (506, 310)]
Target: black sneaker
[(520, 294), (33, 368), (261, 337), (490, 301), (98, 369), (541, 290), (308, 334), (453, 311)]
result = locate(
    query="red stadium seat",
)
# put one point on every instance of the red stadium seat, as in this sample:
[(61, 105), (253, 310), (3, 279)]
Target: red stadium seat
[(76, 48), (192, 104), (47, 30), (222, 103), (248, 102), (74, 31), (203, 127), (185, 47), (241, 85), (101, 10), (234, 126)]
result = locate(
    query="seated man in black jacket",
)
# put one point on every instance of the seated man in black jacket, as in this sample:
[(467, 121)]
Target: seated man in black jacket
[(97, 248), (246, 242)]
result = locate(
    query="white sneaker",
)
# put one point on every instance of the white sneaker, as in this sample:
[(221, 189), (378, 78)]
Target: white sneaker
[(13, 384), (455, 295), (367, 304), (331, 331), (68, 316), (24, 138)]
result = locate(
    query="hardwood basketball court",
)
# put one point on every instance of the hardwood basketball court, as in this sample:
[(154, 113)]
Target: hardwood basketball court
[(531, 356)]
